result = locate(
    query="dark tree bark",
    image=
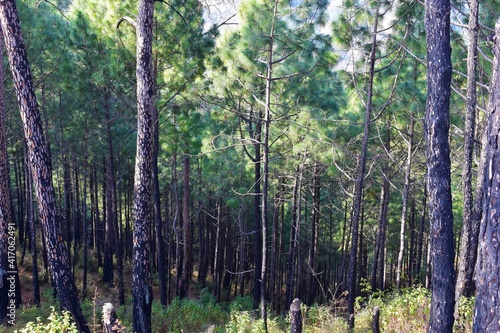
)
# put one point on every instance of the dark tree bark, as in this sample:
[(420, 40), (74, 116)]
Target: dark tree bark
[(7, 227), (487, 306), (436, 127), (141, 280), (40, 163), (360, 175), (469, 239)]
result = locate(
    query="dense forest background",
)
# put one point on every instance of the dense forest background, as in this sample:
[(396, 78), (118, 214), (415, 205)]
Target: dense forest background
[(264, 113)]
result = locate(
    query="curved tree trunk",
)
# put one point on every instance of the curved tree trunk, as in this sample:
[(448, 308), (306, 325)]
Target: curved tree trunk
[(40, 164), (141, 279)]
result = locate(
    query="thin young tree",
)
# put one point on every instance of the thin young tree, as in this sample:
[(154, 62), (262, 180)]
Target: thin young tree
[(40, 164), (470, 227), (141, 280), (360, 175), (436, 127)]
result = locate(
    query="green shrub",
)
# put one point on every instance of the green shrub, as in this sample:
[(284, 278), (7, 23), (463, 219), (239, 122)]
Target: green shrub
[(186, 315), (57, 323)]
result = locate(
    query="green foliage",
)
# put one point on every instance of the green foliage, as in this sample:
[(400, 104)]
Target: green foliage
[(244, 303), (56, 323), (463, 322), (405, 312), (186, 315)]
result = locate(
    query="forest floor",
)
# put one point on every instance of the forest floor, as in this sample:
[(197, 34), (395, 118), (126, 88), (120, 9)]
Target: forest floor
[(399, 313)]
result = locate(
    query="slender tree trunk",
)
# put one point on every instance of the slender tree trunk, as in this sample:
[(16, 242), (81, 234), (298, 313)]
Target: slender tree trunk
[(487, 307), (40, 163), (30, 212), (110, 239), (160, 243), (290, 271), (436, 127), (85, 236), (358, 192), (311, 262), (378, 254), (406, 193), (141, 280), (187, 236), (468, 245), (421, 236)]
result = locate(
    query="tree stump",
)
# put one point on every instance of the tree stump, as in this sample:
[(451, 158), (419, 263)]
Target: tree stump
[(109, 319), (376, 320), (295, 316)]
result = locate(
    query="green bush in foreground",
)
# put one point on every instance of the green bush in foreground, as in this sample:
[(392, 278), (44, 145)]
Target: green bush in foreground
[(56, 323)]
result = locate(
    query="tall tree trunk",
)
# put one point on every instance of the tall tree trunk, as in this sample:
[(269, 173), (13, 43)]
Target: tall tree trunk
[(257, 251), (468, 244), (7, 227), (360, 175), (487, 308), (40, 163), (265, 166), (141, 280), (436, 127), (187, 236), (406, 192)]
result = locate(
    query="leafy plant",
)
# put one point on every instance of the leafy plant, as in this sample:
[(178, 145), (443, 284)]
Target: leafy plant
[(57, 323)]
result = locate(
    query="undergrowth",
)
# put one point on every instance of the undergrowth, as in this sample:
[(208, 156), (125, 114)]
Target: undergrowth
[(404, 312)]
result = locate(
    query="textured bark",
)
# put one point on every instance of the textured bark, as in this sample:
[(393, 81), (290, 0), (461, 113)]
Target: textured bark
[(7, 228), (40, 163), (295, 317), (141, 279), (468, 244), (360, 175), (487, 307), (437, 25)]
